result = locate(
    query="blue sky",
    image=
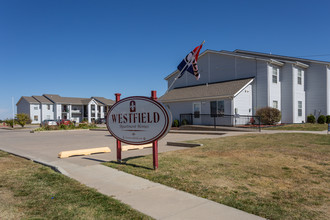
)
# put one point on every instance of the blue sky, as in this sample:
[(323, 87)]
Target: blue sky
[(97, 48)]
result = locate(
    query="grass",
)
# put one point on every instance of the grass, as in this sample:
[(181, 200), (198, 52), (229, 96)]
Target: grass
[(276, 176), (300, 127), (32, 191)]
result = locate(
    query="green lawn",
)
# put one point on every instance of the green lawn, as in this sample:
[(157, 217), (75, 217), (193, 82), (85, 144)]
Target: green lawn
[(32, 191), (301, 127), (276, 176)]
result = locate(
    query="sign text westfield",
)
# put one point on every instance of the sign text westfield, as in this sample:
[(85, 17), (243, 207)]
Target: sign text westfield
[(138, 120)]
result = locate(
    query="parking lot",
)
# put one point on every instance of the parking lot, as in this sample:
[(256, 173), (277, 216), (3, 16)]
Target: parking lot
[(45, 146)]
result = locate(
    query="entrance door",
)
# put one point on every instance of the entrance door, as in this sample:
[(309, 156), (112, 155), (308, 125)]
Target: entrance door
[(197, 120)]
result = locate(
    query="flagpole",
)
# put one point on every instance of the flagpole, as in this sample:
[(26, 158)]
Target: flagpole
[(183, 69)]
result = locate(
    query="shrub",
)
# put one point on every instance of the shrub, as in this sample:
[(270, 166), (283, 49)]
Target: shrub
[(184, 122), (311, 119), (321, 119), (327, 119), (175, 123), (10, 122), (63, 127), (268, 115), (22, 119)]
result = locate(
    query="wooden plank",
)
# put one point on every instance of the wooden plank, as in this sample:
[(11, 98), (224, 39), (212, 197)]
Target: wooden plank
[(135, 147), (65, 154)]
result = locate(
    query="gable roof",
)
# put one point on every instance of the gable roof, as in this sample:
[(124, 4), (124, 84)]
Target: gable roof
[(28, 99), (67, 100), (279, 57), (227, 89), (104, 100), (42, 99)]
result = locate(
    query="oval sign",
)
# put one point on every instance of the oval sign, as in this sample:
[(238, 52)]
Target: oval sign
[(138, 120)]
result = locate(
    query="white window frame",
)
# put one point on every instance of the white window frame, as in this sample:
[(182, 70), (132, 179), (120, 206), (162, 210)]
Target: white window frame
[(275, 104), (48, 106), (275, 75), (300, 108), (299, 77), (36, 108)]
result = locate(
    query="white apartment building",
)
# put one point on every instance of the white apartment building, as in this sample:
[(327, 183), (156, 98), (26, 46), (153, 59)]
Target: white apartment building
[(55, 107), (240, 82)]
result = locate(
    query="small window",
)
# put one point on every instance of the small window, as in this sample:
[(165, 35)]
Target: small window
[(35, 107), (299, 108), (48, 117), (275, 104), (217, 107), (299, 77), (48, 107), (35, 118), (275, 74)]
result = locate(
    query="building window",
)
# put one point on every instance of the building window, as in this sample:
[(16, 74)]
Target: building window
[(299, 108), (48, 107), (35, 118), (35, 107), (217, 107), (275, 104), (275, 74), (48, 117), (299, 77)]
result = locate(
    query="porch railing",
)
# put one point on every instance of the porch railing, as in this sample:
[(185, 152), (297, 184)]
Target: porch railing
[(239, 121)]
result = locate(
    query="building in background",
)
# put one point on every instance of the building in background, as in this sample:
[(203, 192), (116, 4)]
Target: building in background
[(241, 82), (55, 107)]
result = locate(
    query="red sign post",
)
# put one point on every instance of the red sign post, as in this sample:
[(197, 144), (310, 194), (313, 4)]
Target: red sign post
[(118, 141), (155, 143)]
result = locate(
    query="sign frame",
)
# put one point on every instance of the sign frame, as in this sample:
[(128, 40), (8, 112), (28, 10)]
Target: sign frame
[(161, 134)]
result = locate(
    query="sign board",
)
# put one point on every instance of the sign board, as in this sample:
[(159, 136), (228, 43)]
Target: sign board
[(138, 120)]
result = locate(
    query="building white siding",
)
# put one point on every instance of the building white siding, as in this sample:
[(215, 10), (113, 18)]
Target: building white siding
[(274, 88), (287, 95), (260, 93), (243, 102), (316, 87), (24, 107), (328, 90), (47, 114), (298, 95), (58, 111), (35, 113)]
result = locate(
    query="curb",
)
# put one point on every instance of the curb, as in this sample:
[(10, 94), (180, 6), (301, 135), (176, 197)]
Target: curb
[(196, 132), (55, 168), (180, 144)]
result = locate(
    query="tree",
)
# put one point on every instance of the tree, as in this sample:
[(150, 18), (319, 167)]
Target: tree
[(22, 119)]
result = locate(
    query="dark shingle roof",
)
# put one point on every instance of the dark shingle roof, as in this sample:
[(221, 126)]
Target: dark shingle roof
[(104, 100), (42, 99), (67, 100), (209, 91), (30, 99)]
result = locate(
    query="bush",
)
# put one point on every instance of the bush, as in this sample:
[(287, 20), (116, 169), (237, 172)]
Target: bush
[(175, 123), (22, 119), (321, 119), (311, 119), (268, 115), (63, 127), (327, 119), (10, 122), (184, 122)]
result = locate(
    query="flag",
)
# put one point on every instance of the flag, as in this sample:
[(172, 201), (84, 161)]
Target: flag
[(189, 63)]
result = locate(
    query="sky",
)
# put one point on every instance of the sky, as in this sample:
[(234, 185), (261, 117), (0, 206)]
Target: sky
[(85, 48)]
